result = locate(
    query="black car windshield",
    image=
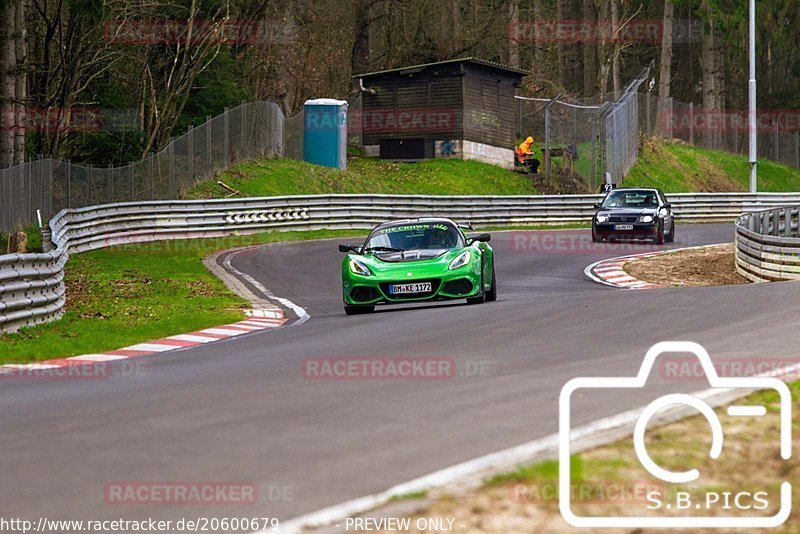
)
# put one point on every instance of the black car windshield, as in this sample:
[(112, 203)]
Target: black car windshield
[(630, 199), (415, 236)]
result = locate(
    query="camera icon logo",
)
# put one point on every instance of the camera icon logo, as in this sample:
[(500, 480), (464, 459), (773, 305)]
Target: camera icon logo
[(675, 477)]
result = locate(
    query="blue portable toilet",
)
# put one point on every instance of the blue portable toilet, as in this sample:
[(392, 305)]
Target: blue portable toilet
[(325, 132)]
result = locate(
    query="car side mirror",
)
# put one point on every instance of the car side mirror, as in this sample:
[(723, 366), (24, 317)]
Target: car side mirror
[(484, 238), (349, 248), (597, 205), (667, 205)]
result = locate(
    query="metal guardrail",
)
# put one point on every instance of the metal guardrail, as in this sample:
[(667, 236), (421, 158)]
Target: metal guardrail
[(768, 244), (32, 285)]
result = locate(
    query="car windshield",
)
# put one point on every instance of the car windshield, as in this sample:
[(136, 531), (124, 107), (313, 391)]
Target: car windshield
[(630, 199), (416, 236)]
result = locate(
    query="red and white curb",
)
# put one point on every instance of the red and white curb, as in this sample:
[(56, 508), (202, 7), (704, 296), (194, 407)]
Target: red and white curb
[(263, 315), (257, 320), (610, 272)]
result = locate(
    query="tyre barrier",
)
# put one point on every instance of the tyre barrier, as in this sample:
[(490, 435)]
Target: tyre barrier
[(768, 244)]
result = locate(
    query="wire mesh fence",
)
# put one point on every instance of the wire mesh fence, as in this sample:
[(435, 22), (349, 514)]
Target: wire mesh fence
[(584, 139), (578, 139), (727, 131), (251, 130)]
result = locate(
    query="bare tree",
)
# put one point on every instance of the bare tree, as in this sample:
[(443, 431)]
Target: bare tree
[(665, 66), (513, 42)]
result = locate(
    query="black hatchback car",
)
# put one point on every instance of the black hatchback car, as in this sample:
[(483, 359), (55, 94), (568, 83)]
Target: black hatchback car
[(634, 214)]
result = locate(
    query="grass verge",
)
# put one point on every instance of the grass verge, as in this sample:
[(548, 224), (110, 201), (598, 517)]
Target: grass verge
[(610, 481), (271, 177), (681, 168), (135, 293)]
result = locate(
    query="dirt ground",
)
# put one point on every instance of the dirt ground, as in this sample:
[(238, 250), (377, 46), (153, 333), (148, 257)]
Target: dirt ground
[(708, 266), (527, 501)]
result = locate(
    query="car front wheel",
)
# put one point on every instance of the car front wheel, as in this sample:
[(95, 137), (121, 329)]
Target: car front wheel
[(596, 238), (659, 237), (491, 295)]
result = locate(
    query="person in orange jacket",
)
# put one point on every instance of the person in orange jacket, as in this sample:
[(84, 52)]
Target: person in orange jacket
[(525, 157), (525, 146)]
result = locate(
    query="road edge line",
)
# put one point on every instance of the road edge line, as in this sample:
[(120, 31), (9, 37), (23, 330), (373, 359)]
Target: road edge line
[(472, 472)]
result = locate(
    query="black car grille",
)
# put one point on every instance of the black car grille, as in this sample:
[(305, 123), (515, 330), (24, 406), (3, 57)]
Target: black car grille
[(462, 286), (434, 289), (364, 293), (623, 218)]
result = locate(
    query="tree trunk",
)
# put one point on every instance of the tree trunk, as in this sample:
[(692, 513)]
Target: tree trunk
[(708, 62), (603, 57), (21, 82), (615, 50), (8, 63), (560, 50), (665, 72), (360, 54), (513, 42), (589, 51)]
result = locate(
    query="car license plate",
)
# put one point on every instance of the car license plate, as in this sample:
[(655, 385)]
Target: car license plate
[(623, 227), (402, 289)]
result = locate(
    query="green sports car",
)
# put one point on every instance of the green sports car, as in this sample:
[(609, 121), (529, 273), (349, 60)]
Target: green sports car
[(416, 260)]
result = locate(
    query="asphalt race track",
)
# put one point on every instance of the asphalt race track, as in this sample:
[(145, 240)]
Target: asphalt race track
[(242, 410)]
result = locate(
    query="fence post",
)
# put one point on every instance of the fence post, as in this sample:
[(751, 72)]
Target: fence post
[(546, 155), (171, 163), (190, 152), (242, 140), (110, 184), (691, 123), (208, 142), (671, 117), (595, 140), (226, 139), (787, 222), (68, 166), (775, 142), (647, 112), (797, 151)]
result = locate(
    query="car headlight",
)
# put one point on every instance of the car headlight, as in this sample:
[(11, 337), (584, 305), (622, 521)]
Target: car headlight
[(601, 218), (663, 212), (358, 267), (646, 218), (460, 260)]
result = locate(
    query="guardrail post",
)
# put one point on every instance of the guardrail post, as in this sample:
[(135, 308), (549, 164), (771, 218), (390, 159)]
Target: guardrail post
[(787, 222), (47, 238)]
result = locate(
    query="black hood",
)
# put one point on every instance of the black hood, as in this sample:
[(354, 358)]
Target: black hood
[(411, 255)]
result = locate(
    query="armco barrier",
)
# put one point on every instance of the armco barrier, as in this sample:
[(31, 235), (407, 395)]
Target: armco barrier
[(768, 244), (32, 285)]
